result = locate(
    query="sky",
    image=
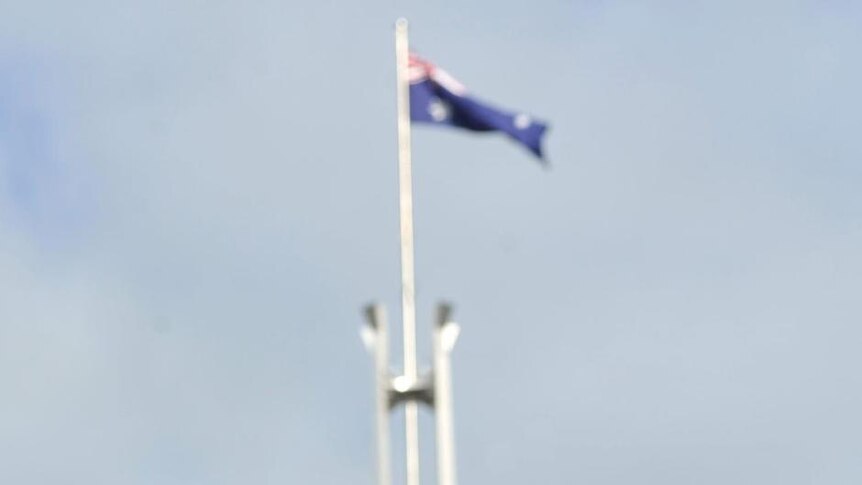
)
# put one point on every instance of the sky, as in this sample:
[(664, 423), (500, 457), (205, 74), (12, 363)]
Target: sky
[(197, 198)]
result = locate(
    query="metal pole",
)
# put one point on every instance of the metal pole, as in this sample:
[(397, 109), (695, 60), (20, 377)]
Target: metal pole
[(408, 292), (379, 344), (445, 334)]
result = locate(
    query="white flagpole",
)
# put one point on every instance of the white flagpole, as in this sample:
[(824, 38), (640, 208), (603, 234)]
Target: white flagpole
[(408, 291)]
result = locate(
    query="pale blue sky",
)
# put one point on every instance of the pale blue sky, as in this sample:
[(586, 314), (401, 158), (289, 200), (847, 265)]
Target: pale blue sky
[(196, 198)]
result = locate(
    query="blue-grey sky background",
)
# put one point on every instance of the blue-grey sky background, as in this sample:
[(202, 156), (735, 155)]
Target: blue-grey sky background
[(196, 198)]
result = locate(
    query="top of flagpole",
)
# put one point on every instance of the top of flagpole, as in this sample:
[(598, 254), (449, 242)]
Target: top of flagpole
[(406, 200)]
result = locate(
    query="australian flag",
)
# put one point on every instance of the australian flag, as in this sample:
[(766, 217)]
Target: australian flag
[(436, 97)]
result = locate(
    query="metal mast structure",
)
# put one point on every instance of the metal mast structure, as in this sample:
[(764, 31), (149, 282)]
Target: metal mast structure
[(411, 389)]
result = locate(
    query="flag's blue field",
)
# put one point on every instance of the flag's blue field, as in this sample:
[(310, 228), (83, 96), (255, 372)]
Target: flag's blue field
[(436, 97)]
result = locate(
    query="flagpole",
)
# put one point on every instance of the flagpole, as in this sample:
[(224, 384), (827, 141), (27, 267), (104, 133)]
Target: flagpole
[(408, 291)]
